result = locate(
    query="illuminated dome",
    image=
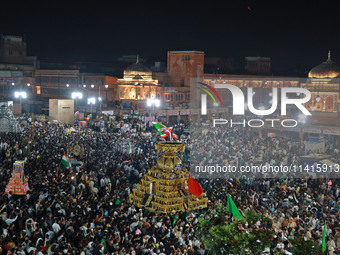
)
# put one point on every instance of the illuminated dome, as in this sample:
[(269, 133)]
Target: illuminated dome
[(327, 69), (137, 71)]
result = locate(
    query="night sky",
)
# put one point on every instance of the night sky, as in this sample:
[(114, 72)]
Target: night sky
[(292, 33)]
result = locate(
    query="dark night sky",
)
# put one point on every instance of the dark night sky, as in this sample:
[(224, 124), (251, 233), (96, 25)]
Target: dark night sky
[(292, 33)]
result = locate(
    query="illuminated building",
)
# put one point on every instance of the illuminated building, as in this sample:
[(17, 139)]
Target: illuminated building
[(16, 68), (323, 81), (137, 86)]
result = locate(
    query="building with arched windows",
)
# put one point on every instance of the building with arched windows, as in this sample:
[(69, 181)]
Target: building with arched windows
[(323, 83), (136, 86)]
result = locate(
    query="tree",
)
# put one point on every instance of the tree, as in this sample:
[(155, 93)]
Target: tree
[(248, 235), (302, 246)]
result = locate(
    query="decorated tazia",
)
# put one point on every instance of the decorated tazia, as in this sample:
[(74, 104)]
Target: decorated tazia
[(18, 184), (168, 186)]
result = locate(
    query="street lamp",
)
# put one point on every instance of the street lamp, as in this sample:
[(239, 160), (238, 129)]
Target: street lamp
[(302, 119), (106, 87), (153, 103), (20, 95), (91, 101), (75, 96), (100, 104)]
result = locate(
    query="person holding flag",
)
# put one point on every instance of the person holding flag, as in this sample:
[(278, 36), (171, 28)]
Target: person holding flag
[(165, 131), (330, 245), (66, 162)]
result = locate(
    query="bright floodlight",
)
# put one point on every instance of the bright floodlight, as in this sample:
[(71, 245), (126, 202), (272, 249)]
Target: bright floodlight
[(99, 99), (302, 118), (77, 95), (91, 100), (20, 94), (155, 102)]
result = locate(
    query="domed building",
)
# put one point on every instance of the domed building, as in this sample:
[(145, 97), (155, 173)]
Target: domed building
[(327, 69), (137, 85), (323, 82), (138, 71)]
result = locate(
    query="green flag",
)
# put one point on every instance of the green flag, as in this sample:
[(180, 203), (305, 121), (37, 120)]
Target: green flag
[(175, 220), (233, 208), (324, 245), (104, 243), (164, 131), (159, 126)]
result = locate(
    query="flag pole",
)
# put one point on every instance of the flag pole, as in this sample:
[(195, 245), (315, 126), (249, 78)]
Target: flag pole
[(59, 164), (58, 169)]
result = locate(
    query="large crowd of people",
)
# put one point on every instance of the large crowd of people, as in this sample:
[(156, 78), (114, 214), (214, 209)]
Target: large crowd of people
[(87, 210)]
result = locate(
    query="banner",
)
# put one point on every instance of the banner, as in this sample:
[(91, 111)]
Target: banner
[(315, 148), (331, 131), (150, 120)]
